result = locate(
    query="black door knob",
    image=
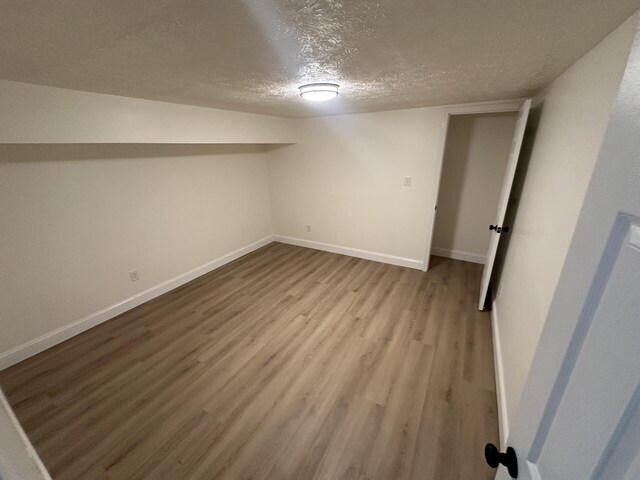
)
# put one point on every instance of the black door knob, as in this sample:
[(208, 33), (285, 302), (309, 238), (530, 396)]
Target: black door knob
[(495, 458), (499, 229)]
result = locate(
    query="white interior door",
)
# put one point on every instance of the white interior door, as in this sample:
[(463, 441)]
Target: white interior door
[(18, 459), (514, 154), (579, 415)]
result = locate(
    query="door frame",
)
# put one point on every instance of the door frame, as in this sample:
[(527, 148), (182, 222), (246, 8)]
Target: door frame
[(500, 106)]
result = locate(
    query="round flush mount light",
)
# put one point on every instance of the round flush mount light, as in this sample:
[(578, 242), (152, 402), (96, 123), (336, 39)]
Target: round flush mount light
[(319, 92)]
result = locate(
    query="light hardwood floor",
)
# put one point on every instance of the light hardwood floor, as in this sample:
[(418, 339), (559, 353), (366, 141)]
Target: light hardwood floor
[(288, 363)]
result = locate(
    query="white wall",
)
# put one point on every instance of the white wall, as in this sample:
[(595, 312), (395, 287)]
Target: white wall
[(572, 114), (344, 177), (37, 114), (77, 218), (475, 161), (93, 186)]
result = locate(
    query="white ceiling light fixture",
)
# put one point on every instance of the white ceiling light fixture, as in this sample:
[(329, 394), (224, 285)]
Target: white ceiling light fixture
[(319, 92)]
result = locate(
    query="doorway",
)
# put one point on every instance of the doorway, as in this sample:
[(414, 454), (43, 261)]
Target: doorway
[(476, 154)]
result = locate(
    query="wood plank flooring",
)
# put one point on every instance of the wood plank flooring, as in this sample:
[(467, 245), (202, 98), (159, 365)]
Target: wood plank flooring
[(288, 363)]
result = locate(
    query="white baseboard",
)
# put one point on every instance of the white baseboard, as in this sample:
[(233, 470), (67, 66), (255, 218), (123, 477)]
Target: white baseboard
[(458, 255), (59, 335), (503, 418), (353, 252)]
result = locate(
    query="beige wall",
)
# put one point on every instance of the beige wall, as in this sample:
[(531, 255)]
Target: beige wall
[(77, 218), (93, 186), (37, 114), (571, 117), (475, 160), (345, 179)]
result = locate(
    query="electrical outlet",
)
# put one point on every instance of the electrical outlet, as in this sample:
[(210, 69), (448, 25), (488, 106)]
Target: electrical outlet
[(134, 275), (500, 287), (407, 181), (308, 228)]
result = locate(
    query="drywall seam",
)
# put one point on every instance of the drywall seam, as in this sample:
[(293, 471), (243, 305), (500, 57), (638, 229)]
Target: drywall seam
[(458, 255), (503, 417), (61, 334), (353, 252)]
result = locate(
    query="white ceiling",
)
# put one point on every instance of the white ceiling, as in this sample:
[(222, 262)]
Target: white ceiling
[(251, 55)]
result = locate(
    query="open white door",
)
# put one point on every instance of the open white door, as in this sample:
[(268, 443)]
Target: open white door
[(512, 163), (18, 459), (579, 415)]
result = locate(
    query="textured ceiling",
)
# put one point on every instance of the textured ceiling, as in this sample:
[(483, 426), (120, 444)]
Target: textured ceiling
[(251, 55)]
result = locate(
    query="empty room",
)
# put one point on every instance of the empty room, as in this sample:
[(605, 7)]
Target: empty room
[(319, 239)]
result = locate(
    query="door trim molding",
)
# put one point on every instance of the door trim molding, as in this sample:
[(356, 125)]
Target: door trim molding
[(500, 106)]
